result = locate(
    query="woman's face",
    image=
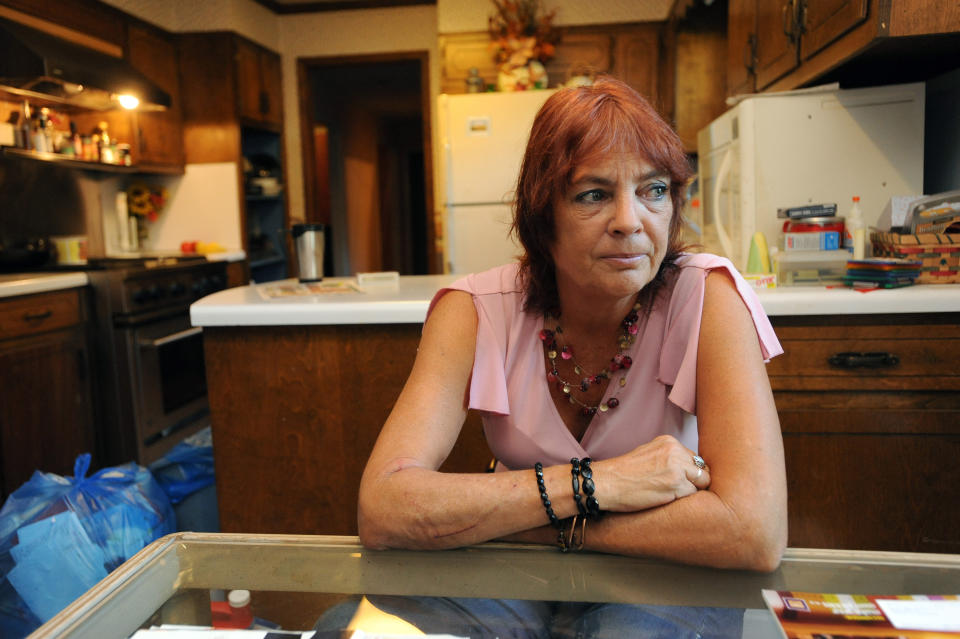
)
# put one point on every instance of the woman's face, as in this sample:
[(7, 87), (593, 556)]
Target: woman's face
[(612, 227)]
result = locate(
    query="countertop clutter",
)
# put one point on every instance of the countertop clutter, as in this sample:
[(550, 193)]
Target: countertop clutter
[(406, 303)]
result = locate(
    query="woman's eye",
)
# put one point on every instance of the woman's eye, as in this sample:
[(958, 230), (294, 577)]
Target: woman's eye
[(594, 195), (656, 191)]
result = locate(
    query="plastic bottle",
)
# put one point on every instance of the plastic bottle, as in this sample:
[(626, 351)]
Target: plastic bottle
[(855, 231), (234, 612)]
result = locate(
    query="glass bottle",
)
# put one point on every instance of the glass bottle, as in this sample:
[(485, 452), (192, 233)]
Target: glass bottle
[(474, 81)]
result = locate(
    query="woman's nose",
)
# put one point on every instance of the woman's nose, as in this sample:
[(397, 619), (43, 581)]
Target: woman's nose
[(627, 216)]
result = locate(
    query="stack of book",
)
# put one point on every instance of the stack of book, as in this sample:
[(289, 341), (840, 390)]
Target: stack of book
[(877, 272)]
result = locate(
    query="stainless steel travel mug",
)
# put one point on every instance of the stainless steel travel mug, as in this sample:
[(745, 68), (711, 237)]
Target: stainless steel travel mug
[(308, 241)]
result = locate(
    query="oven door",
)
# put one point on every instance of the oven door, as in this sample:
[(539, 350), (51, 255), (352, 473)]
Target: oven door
[(170, 388)]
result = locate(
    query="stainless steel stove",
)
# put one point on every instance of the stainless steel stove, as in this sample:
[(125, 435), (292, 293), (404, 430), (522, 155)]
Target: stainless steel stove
[(151, 377)]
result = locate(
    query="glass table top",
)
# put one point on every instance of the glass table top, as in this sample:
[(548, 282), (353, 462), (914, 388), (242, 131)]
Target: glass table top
[(296, 580)]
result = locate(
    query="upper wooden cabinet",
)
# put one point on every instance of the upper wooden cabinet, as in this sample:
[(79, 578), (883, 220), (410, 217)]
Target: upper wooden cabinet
[(158, 135), (741, 45), (228, 80), (628, 51), (785, 44), (258, 83)]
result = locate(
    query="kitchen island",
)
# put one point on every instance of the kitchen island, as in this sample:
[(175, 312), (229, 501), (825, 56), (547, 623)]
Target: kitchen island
[(866, 392)]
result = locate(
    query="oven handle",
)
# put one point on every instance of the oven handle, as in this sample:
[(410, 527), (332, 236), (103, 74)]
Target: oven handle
[(174, 337)]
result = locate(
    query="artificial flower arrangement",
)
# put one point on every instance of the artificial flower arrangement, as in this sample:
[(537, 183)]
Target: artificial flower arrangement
[(523, 38), (145, 201)]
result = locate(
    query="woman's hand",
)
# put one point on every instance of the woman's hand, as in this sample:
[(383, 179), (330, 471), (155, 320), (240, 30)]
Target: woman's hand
[(650, 475)]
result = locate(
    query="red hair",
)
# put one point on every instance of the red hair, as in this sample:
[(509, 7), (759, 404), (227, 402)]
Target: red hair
[(573, 126)]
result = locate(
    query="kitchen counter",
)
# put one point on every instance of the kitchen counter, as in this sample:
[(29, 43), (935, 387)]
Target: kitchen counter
[(407, 303), (13, 284), (293, 375)]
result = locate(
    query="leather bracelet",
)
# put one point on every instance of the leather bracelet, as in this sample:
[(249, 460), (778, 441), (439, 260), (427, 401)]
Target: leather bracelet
[(592, 504), (554, 521), (571, 541), (575, 482)]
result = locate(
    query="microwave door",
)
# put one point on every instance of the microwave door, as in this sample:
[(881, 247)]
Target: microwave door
[(723, 199), (720, 215)]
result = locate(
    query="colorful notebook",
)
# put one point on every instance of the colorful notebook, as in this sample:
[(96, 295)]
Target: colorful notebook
[(806, 615)]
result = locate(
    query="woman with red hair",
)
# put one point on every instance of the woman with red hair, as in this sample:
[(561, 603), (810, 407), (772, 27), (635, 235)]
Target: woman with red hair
[(621, 380)]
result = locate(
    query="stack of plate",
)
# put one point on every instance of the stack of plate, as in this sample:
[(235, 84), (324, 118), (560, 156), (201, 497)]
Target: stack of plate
[(881, 272)]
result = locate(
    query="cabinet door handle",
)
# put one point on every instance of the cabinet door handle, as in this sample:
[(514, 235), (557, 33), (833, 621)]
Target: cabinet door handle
[(863, 360), (750, 54), (36, 317)]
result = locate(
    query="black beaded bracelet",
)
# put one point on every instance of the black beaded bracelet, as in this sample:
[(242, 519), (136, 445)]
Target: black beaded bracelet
[(593, 505), (575, 482), (554, 521)]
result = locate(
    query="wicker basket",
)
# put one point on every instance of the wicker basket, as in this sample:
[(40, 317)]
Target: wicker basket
[(939, 253)]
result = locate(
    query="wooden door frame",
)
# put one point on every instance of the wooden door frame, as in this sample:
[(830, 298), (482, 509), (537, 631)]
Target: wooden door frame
[(307, 123)]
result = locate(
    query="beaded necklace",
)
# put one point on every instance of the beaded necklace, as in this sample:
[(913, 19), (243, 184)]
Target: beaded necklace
[(629, 328)]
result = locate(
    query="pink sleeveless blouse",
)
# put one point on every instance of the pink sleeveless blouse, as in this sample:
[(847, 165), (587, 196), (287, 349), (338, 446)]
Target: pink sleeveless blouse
[(509, 385)]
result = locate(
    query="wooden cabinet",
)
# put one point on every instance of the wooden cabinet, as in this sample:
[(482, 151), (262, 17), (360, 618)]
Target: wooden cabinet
[(870, 416), (629, 51), (233, 111), (46, 405), (158, 135), (784, 44), (741, 46), (155, 138), (259, 83)]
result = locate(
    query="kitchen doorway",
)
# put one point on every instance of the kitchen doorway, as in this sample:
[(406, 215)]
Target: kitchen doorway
[(367, 166)]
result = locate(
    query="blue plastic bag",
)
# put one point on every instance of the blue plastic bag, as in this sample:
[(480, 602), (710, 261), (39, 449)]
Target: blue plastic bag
[(59, 536), (187, 468)]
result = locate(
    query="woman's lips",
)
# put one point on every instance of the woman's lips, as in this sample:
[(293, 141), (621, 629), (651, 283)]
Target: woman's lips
[(625, 259)]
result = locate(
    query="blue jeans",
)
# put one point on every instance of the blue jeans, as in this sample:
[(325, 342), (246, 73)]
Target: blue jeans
[(521, 619)]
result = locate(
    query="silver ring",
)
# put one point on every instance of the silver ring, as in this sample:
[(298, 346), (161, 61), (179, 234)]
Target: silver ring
[(698, 462), (699, 472)]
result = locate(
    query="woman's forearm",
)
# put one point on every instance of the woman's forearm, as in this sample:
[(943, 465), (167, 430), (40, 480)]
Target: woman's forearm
[(420, 508), (700, 529)]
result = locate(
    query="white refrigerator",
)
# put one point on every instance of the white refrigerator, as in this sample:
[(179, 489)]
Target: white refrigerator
[(483, 136)]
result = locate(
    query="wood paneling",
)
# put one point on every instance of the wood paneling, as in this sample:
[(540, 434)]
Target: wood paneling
[(700, 83), (87, 20), (873, 492), (295, 413), (915, 17)]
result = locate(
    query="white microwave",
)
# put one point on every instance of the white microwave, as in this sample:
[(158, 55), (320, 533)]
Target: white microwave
[(814, 146)]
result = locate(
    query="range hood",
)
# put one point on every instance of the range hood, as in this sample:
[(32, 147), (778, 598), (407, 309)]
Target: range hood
[(37, 66)]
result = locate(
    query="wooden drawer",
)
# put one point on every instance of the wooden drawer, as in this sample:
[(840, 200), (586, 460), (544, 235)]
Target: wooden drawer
[(33, 314), (867, 357)]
